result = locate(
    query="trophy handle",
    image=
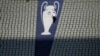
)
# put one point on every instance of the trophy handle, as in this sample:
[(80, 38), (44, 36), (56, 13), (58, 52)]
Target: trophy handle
[(45, 3), (56, 2)]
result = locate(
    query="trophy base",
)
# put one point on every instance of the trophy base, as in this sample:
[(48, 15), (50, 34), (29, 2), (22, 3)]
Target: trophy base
[(46, 33)]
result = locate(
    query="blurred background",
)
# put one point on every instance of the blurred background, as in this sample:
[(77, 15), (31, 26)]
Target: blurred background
[(77, 33)]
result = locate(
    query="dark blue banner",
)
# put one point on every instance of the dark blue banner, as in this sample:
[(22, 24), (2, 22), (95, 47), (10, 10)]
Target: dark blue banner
[(48, 14)]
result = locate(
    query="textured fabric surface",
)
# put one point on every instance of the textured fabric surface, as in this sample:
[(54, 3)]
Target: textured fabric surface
[(78, 31), (18, 19), (17, 27)]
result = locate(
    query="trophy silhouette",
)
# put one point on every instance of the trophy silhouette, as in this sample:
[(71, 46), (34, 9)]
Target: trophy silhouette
[(48, 16)]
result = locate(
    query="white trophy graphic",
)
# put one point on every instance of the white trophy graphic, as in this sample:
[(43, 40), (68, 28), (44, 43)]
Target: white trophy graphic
[(48, 15)]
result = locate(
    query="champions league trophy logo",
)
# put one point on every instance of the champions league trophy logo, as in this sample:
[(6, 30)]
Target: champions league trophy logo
[(48, 15)]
